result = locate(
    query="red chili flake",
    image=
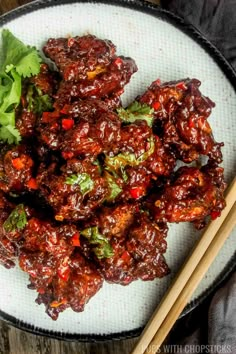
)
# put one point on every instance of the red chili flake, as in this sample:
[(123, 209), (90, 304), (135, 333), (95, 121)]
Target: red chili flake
[(41, 290), (70, 42), (215, 214), (32, 184), (137, 192), (191, 123), (181, 85), (32, 273), (156, 105), (67, 123), (64, 272), (75, 240), (125, 256), (67, 155), (118, 61), (17, 163)]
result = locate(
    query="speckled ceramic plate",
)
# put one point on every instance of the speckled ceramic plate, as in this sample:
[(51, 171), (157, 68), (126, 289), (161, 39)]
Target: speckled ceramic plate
[(164, 47)]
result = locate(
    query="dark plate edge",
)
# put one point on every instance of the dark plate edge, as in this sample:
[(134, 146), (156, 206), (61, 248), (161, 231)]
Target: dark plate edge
[(228, 70)]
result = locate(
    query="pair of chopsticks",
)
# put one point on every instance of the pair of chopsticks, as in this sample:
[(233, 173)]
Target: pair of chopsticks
[(189, 277)]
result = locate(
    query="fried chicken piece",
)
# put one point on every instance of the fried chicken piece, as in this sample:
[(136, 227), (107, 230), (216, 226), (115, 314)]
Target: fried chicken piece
[(142, 159), (164, 98), (25, 123), (181, 113), (146, 244), (83, 129), (16, 169), (43, 236), (44, 246), (78, 57), (90, 69), (138, 254), (135, 138), (75, 191), (61, 282), (105, 85), (61, 276), (115, 221), (46, 81), (162, 161), (193, 195)]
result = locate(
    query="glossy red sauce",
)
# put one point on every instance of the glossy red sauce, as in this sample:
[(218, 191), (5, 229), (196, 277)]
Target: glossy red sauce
[(85, 196)]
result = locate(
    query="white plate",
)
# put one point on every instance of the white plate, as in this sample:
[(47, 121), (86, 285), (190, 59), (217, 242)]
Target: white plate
[(161, 50)]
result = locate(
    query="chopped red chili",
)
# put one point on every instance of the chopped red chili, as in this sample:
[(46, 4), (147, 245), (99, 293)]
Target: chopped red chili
[(32, 183), (18, 163), (215, 214), (67, 123), (75, 239), (137, 192), (156, 105)]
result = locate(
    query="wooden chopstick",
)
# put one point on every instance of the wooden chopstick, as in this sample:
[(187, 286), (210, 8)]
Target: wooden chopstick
[(194, 281), (184, 275)]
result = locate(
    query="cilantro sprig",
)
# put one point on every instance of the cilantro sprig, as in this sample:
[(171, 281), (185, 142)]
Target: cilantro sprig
[(37, 101), (115, 190), (17, 220), (102, 248), (23, 58), (83, 180), (19, 61), (121, 160), (136, 111)]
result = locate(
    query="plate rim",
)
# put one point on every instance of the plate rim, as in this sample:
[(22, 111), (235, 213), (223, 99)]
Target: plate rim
[(158, 12)]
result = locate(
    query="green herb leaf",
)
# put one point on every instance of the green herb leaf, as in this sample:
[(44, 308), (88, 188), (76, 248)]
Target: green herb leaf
[(17, 220), (43, 104), (136, 111), (37, 102), (115, 190), (10, 92), (29, 65), (98, 164), (84, 180), (25, 59), (103, 248), (19, 61), (121, 160), (106, 251), (10, 134)]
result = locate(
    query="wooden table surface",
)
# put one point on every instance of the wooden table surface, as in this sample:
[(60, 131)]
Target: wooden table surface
[(15, 341)]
